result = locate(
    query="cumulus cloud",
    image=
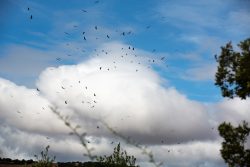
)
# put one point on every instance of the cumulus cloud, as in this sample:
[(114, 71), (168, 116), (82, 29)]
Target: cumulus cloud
[(233, 110), (118, 86)]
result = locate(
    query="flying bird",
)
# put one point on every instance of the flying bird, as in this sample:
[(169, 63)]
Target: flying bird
[(58, 58), (31, 17), (83, 32), (66, 33), (95, 27), (66, 102), (162, 58), (129, 32), (28, 8), (84, 10), (215, 57), (37, 89), (84, 38), (100, 68), (108, 36)]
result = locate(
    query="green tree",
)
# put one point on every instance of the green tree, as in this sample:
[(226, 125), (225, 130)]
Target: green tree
[(118, 159), (233, 150), (44, 160), (233, 72), (233, 78)]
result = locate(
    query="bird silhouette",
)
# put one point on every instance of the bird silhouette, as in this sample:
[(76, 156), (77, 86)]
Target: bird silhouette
[(215, 57), (84, 10), (108, 36), (95, 27), (31, 17)]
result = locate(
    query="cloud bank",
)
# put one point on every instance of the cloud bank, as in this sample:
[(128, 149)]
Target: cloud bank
[(119, 86)]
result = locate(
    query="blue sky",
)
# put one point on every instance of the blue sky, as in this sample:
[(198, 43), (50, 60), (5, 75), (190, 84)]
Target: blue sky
[(189, 33), (177, 40)]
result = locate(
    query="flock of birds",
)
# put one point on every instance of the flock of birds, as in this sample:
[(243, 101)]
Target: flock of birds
[(125, 52)]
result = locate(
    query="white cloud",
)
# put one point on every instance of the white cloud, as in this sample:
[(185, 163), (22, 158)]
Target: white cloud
[(132, 102), (233, 110)]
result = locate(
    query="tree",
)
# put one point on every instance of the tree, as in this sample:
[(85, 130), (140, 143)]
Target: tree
[(118, 159), (233, 150), (233, 72), (233, 77)]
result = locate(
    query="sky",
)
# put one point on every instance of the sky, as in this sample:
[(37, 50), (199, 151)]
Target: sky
[(145, 68)]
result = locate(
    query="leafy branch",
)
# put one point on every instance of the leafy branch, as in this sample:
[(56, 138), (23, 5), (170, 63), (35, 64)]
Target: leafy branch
[(74, 131), (144, 149)]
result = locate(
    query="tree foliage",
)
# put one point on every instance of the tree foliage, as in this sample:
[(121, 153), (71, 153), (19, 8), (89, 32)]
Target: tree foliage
[(233, 150), (233, 77), (233, 72), (118, 159)]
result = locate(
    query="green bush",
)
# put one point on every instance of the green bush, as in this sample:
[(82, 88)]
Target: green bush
[(118, 159), (44, 160)]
